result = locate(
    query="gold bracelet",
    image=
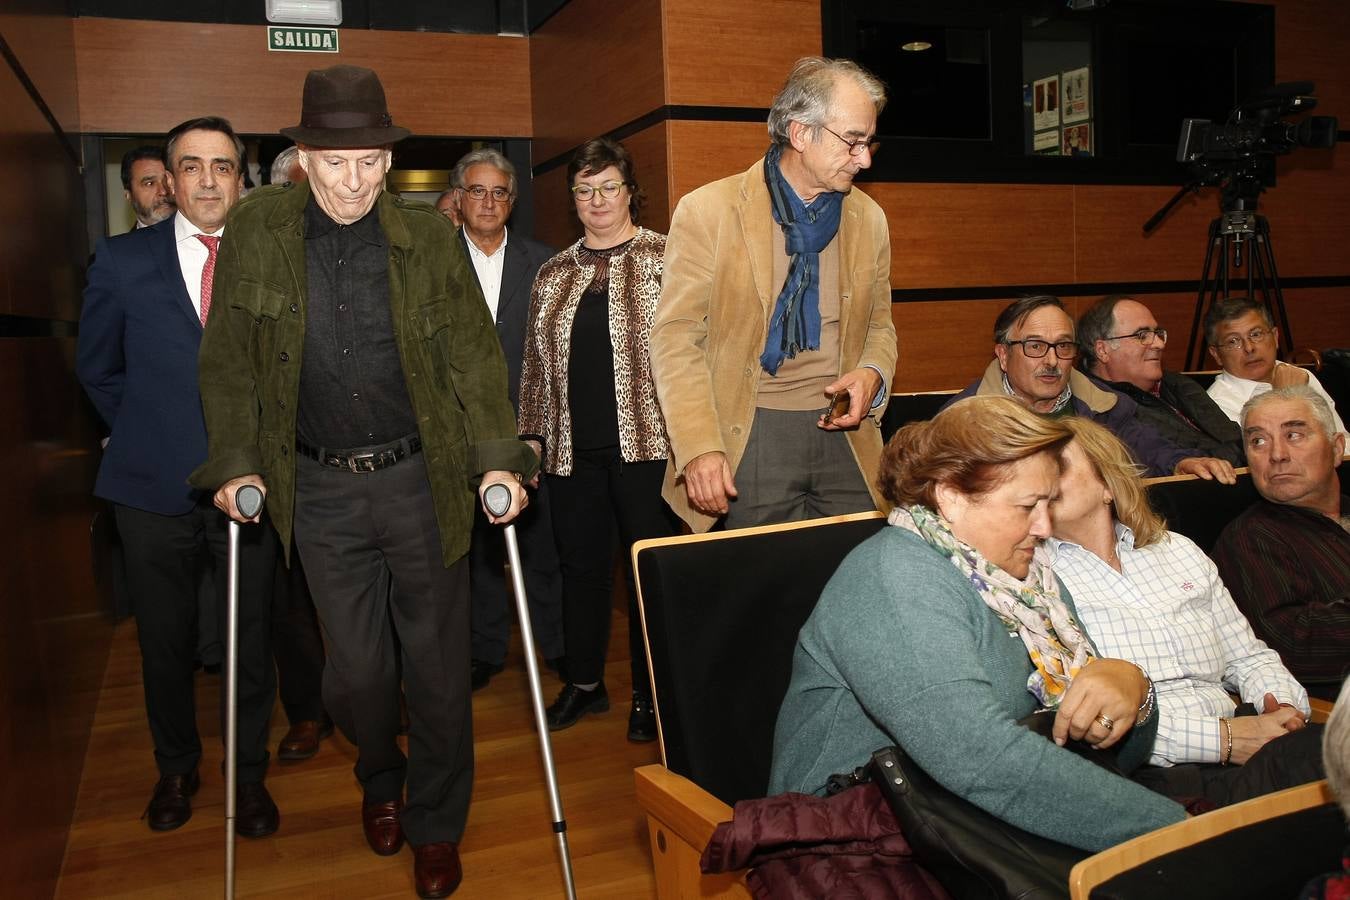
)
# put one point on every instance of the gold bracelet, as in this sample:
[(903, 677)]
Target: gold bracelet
[(1228, 748)]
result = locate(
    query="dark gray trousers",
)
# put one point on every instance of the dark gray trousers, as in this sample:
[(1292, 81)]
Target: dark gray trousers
[(164, 558), (372, 555), (792, 470)]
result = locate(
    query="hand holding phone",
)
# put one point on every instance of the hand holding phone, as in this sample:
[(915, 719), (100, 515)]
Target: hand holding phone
[(838, 407)]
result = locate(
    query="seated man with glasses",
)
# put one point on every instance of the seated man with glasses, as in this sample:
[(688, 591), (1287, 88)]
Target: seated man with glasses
[(1034, 353), (1244, 341), (1121, 348)]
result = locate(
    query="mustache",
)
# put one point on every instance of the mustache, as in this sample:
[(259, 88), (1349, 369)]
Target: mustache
[(1048, 370)]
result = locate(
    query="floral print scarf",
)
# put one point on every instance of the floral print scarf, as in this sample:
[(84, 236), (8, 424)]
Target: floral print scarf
[(1030, 607)]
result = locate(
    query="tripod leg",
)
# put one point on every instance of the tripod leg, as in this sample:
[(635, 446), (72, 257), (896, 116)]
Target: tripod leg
[(1273, 293), (1195, 344)]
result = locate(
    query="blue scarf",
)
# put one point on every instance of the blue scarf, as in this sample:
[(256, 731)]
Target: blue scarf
[(807, 230)]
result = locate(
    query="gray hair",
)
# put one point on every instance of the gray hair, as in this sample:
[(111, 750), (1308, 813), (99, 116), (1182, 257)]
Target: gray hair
[(1316, 405), (282, 165), (1336, 748), (1231, 308), (808, 93), (484, 156), (1096, 325)]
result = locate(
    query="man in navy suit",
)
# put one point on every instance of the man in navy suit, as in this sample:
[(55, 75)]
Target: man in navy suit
[(149, 294), (485, 182)]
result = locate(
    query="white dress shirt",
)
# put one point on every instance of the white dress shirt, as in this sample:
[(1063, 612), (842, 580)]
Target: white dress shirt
[(1168, 612), (489, 269), (192, 255), (1230, 392)]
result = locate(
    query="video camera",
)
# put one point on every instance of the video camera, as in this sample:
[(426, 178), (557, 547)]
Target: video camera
[(1240, 154)]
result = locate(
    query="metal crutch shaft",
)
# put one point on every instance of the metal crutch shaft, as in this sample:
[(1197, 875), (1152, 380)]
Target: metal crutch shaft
[(497, 500), (248, 500)]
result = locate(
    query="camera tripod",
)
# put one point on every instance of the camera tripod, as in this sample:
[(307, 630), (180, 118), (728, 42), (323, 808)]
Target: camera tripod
[(1227, 234), (1238, 224)]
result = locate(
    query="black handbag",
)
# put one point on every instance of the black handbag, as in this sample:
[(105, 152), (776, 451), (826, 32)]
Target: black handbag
[(973, 854)]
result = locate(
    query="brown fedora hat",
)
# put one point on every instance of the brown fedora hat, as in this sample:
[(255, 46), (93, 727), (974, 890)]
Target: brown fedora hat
[(344, 106)]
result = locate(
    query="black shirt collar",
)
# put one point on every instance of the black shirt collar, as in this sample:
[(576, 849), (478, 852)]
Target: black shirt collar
[(318, 224)]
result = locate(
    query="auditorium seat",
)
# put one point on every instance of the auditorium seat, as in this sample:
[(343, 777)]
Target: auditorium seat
[(720, 615), (1201, 509), (905, 408), (1256, 850)]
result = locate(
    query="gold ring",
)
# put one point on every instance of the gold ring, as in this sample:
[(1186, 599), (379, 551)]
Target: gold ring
[(1106, 722)]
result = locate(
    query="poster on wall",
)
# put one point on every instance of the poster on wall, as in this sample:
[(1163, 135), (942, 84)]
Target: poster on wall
[(1046, 143), (1077, 140), (1077, 98), (1045, 103)]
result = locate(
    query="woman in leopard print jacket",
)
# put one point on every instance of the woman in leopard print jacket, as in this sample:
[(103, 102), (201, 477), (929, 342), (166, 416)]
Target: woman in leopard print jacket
[(588, 402)]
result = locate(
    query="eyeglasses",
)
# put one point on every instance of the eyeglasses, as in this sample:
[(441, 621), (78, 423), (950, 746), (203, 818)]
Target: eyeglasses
[(479, 192), (1036, 349), (855, 148), (609, 190), (1238, 341), (1143, 336)]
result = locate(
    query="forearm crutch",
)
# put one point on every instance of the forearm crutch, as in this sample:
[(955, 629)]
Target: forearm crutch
[(497, 501), (248, 499)]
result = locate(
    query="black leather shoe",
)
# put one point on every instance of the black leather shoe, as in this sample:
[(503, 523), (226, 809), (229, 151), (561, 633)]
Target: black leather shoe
[(255, 815), (573, 703), (642, 720), (480, 673), (171, 803)]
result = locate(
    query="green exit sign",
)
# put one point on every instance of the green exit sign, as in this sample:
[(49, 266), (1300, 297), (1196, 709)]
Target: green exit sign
[(290, 39)]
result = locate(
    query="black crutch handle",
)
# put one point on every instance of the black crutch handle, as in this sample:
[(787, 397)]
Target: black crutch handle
[(248, 500), (497, 499)]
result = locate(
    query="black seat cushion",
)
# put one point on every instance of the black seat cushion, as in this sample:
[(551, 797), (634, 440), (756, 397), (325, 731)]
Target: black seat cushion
[(1268, 859), (722, 618)]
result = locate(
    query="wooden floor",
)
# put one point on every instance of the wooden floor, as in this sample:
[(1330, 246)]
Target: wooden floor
[(509, 850)]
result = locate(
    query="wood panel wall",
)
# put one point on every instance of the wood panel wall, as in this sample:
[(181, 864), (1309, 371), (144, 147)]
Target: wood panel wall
[(437, 84), (947, 238), (53, 637)]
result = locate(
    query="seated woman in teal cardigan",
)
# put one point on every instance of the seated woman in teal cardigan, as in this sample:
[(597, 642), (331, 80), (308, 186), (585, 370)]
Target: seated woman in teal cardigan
[(939, 633)]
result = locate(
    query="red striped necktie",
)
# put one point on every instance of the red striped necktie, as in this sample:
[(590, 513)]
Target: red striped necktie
[(212, 242)]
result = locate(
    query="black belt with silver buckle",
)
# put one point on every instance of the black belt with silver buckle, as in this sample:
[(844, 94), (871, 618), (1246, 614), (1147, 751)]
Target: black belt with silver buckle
[(368, 459)]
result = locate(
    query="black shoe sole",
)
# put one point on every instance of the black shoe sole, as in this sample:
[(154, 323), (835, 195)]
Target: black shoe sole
[(172, 826), (264, 831)]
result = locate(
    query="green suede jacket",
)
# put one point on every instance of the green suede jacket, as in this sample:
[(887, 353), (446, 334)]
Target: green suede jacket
[(251, 353)]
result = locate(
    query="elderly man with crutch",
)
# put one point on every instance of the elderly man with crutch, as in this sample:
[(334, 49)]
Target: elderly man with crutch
[(352, 372)]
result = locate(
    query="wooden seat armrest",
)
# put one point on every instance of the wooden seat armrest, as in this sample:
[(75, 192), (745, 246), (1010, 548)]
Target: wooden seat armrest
[(684, 807), (681, 818), (1320, 709)]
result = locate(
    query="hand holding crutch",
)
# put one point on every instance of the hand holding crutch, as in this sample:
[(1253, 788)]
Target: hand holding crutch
[(497, 503)]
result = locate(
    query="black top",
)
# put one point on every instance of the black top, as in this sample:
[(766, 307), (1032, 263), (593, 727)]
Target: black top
[(590, 365), (1184, 414), (352, 389)]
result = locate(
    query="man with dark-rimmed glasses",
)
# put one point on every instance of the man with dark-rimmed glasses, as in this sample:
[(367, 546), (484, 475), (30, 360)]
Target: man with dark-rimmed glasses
[(1121, 347), (1034, 354)]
